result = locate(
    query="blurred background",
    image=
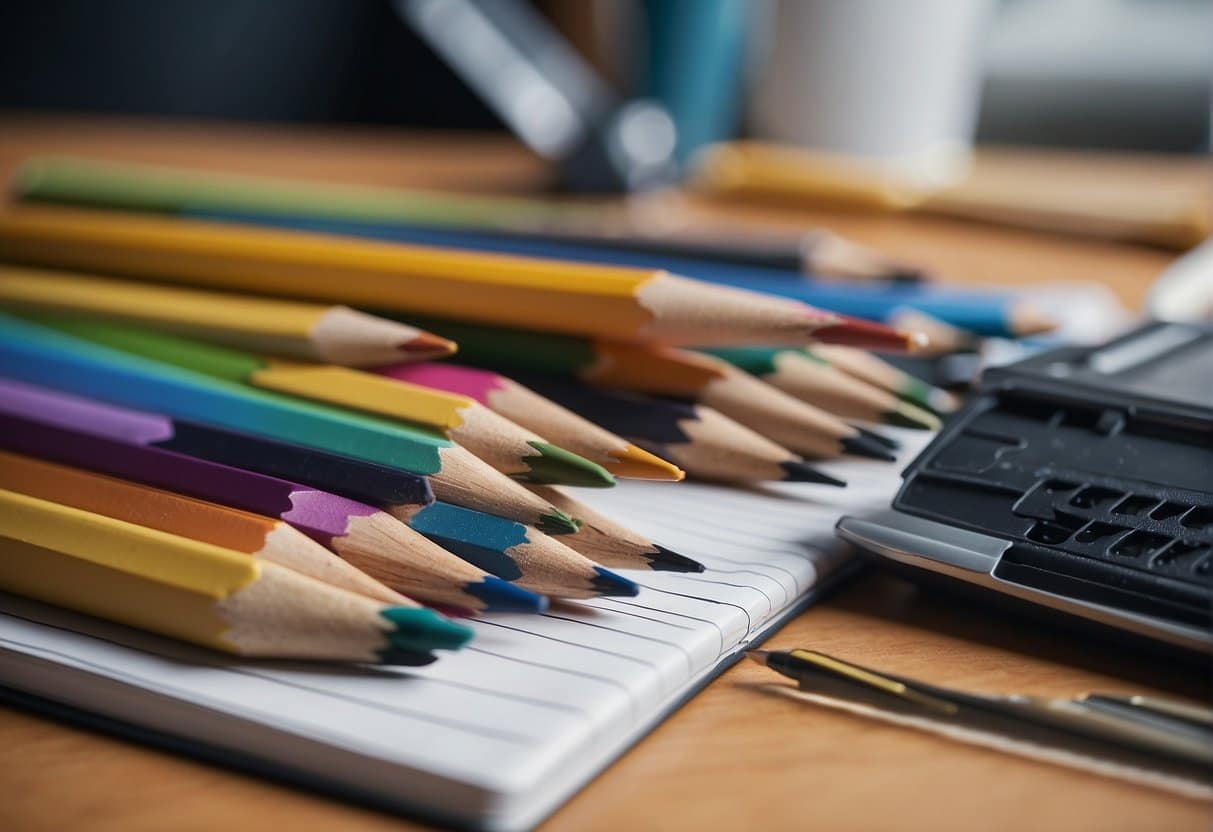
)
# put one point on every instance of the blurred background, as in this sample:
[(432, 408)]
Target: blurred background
[(1124, 74)]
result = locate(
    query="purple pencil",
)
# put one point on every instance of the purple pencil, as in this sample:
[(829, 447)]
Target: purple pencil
[(367, 537)]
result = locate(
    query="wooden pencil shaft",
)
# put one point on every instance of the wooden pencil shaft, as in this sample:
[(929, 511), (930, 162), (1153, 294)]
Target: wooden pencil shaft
[(171, 190), (530, 293), (328, 333), (241, 531)]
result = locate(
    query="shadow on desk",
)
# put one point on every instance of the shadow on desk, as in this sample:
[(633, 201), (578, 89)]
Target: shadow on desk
[(891, 598)]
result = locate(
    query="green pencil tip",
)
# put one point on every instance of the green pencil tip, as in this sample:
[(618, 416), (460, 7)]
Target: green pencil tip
[(906, 415), (420, 629), (918, 392), (556, 466), (556, 522)]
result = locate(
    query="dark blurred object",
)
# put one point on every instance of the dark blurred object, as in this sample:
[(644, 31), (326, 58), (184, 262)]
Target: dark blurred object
[(548, 95), (263, 60), (693, 65)]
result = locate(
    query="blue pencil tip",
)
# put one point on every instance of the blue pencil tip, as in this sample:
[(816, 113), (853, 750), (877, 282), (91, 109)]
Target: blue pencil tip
[(608, 583), (503, 596)]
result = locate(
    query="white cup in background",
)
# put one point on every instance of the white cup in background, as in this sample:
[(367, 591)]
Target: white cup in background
[(894, 82)]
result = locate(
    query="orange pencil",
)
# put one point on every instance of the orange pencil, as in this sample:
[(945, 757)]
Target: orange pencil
[(240, 531)]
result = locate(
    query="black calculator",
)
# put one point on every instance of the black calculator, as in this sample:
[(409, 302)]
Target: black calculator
[(1078, 482)]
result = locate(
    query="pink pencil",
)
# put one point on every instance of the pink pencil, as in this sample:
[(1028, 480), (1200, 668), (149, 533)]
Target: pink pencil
[(527, 408)]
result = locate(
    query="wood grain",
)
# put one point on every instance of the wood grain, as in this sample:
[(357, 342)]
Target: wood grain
[(733, 758)]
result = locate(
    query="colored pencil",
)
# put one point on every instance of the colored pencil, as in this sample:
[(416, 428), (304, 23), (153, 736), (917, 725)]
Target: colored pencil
[(612, 544), (874, 371), (175, 190), (332, 334), (545, 417), (816, 382), (998, 188), (513, 552), (942, 337), (530, 293), (485, 540), (984, 309), (664, 371), (704, 442), (159, 189), (986, 312), (367, 537), (811, 254), (39, 355), (504, 445), (241, 531), (202, 593), (349, 477)]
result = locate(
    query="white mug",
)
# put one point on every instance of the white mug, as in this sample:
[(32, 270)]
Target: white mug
[(894, 82)]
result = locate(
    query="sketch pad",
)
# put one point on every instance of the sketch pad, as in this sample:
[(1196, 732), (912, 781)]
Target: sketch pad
[(498, 735)]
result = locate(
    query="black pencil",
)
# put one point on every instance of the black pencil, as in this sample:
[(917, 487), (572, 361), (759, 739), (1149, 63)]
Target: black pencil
[(701, 441)]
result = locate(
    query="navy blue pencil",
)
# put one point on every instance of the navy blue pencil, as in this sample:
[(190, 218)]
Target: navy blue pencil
[(986, 313), (700, 440)]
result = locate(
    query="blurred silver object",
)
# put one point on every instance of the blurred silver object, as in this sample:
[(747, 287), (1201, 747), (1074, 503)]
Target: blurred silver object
[(1184, 292), (548, 95)]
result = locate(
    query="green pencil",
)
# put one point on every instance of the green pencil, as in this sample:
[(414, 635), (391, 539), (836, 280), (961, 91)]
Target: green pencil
[(164, 190), (813, 380)]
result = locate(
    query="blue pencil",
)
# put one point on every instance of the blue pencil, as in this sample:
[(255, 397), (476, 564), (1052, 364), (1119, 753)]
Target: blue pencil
[(514, 552), (986, 313)]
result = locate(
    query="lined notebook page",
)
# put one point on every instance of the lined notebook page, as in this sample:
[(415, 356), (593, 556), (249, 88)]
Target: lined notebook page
[(499, 734)]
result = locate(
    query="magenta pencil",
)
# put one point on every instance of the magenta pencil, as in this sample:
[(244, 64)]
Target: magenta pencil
[(525, 407)]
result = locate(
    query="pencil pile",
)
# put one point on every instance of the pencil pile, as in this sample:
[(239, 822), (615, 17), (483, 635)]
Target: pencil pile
[(232, 419)]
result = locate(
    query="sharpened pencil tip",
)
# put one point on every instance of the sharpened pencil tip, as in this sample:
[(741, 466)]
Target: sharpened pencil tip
[(636, 463), (406, 658), (879, 438), (556, 466), (503, 596), (556, 522), (906, 415), (924, 395), (665, 560), (425, 346), (422, 629), (608, 583), (795, 471), (865, 446), (855, 332)]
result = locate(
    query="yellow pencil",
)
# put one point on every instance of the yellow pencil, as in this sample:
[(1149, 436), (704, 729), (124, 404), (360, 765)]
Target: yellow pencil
[(523, 292), (334, 334), (267, 538), (199, 592)]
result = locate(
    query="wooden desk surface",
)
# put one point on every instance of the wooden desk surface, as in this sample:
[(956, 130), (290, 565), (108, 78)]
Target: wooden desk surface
[(733, 758)]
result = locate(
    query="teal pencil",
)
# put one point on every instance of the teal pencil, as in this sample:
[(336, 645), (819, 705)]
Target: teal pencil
[(513, 552)]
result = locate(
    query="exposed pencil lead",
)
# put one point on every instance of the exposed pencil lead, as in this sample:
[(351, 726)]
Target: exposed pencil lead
[(864, 446), (608, 583), (406, 658), (503, 596), (887, 441), (665, 560), (797, 471)]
